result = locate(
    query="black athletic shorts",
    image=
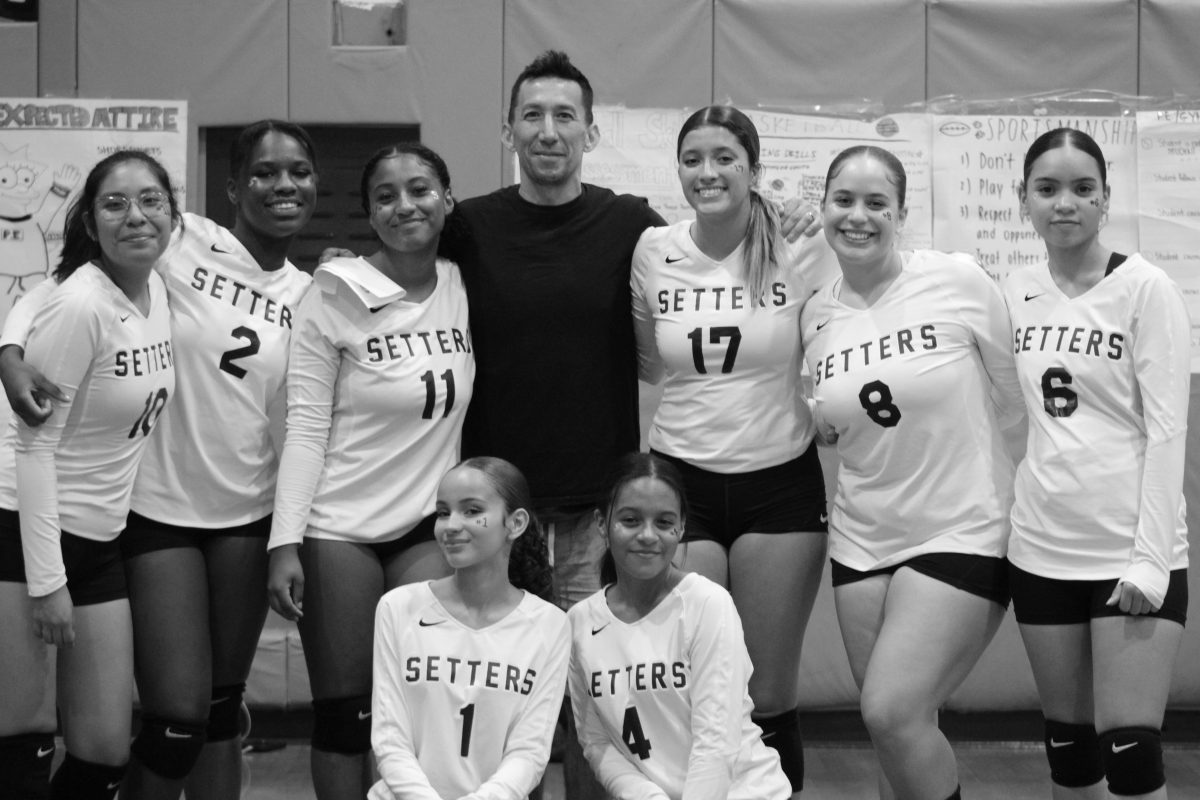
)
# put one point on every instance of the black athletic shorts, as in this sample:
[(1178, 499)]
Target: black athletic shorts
[(1049, 601), (423, 532), (144, 535), (781, 499), (95, 571), (983, 576)]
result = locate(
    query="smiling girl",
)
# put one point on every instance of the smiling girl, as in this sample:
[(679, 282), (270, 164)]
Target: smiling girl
[(659, 667), (470, 669), (103, 336), (716, 306), (1099, 539), (379, 378), (914, 380)]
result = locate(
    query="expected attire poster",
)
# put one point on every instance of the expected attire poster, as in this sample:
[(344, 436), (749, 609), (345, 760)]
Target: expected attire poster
[(47, 148)]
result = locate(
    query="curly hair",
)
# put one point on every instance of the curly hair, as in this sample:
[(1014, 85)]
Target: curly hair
[(529, 561)]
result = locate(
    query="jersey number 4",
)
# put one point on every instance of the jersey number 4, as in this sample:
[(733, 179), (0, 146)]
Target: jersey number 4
[(731, 332), (632, 734)]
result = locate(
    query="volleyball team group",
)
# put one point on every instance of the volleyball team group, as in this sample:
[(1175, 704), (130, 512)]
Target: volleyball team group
[(1019, 444)]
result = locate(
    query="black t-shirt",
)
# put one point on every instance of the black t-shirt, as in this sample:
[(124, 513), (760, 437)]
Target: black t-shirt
[(556, 368)]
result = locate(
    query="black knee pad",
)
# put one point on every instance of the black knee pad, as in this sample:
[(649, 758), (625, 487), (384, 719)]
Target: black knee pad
[(1132, 760), (781, 733), (342, 725), (224, 712), (1073, 751), (169, 747), (25, 765), (77, 779)]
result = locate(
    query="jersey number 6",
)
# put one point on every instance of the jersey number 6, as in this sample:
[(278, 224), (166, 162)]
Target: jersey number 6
[(1057, 399)]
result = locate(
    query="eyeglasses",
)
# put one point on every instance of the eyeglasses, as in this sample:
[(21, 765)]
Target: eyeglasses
[(115, 207)]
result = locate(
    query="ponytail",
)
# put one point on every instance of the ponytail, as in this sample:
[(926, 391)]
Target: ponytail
[(762, 251), (529, 562)]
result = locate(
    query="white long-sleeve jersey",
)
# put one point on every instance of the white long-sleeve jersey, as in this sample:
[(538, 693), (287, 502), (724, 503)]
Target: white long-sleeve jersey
[(916, 391), (75, 472), (662, 704), (1106, 380), (376, 398), (464, 713), (211, 462)]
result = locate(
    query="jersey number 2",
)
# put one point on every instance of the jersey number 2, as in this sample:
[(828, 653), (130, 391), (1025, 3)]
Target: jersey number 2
[(632, 734), (731, 332), (227, 358)]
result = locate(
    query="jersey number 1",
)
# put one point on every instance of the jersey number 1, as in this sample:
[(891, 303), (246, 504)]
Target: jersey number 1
[(467, 712), (632, 734)]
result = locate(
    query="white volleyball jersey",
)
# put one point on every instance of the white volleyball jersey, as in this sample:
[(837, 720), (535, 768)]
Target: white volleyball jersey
[(662, 705), (1106, 380), (376, 398), (464, 713), (915, 390), (16, 330), (75, 472), (212, 463), (732, 399)]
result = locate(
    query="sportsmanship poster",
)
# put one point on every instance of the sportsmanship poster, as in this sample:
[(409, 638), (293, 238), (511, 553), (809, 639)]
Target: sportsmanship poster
[(47, 148), (977, 170), (636, 154), (1169, 202)]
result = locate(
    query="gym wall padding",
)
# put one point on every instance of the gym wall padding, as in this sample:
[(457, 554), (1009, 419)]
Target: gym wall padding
[(240, 60), (447, 79), (1168, 55), (19, 62), (777, 53), (1000, 48)]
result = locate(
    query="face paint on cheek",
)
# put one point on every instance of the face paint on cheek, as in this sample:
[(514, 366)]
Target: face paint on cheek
[(483, 522), (1095, 202), (887, 215)]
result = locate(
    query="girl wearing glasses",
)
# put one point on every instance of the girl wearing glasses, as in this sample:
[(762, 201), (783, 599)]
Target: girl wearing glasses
[(195, 542), (103, 336)]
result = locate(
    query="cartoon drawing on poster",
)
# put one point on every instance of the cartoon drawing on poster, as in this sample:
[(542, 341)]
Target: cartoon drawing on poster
[(28, 207), (47, 146)]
